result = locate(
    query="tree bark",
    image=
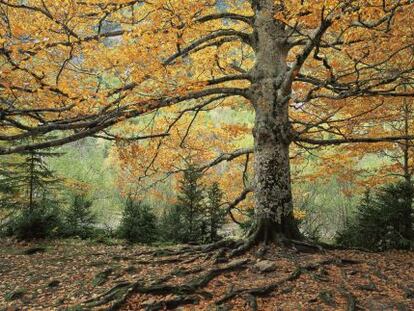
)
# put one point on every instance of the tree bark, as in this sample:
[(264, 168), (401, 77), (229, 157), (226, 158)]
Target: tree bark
[(273, 195)]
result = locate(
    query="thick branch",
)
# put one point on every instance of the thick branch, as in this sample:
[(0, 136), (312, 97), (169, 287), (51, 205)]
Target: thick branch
[(340, 141)]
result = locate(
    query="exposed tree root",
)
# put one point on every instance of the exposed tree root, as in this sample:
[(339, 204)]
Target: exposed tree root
[(258, 291), (351, 301), (252, 302), (254, 239), (190, 291), (171, 303), (266, 290), (195, 249), (118, 294)]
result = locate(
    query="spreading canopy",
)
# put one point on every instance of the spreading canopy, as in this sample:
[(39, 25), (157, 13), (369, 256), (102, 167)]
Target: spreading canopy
[(314, 73), (78, 67)]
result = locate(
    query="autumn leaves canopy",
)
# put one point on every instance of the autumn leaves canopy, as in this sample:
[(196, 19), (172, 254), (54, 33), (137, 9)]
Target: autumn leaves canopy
[(79, 67), (72, 69)]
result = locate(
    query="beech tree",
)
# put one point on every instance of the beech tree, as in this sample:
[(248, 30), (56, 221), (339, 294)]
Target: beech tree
[(308, 69)]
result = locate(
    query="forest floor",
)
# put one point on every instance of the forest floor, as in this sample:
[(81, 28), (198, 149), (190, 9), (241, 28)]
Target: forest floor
[(75, 275)]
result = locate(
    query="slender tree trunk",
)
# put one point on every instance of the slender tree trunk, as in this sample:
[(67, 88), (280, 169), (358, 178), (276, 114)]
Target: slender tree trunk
[(273, 196)]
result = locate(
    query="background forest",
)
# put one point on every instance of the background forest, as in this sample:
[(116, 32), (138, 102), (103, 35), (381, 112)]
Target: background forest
[(325, 202)]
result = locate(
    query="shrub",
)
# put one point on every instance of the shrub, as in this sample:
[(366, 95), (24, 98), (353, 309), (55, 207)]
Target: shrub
[(79, 218), (43, 221), (383, 221), (171, 225), (138, 223)]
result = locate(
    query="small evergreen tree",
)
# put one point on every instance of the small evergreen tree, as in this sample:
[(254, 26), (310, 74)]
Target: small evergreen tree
[(214, 213), (383, 221), (27, 186), (186, 221), (43, 221), (79, 218), (190, 205), (138, 224), (171, 225), (27, 179)]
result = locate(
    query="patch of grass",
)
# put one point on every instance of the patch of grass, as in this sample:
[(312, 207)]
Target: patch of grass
[(15, 294), (34, 250), (10, 251)]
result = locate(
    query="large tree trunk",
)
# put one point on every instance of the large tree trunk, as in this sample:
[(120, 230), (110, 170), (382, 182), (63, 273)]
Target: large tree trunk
[(273, 195)]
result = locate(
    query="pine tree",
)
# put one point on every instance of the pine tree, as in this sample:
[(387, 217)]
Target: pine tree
[(26, 179), (383, 221), (79, 217), (138, 224), (214, 211), (190, 204), (171, 225), (28, 189)]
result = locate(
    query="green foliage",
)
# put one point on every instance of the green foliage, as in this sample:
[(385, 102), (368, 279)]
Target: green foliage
[(326, 204), (184, 222), (44, 220), (25, 179), (171, 225), (16, 294), (28, 186), (383, 221), (214, 213), (79, 218), (8, 190), (138, 224), (88, 162), (198, 214), (190, 205)]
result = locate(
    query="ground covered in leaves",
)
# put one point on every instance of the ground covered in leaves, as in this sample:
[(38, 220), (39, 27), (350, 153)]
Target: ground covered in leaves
[(75, 275)]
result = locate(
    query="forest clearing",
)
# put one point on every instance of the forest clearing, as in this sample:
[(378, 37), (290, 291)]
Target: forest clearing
[(206, 155)]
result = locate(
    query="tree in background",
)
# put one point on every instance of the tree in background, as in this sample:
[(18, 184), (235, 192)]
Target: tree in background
[(29, 178), (79, 218), (138, 223), (214, 212), (43, 221), (384, 220), (171, 225), (32, 192), (190, 204), (198, 213)]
